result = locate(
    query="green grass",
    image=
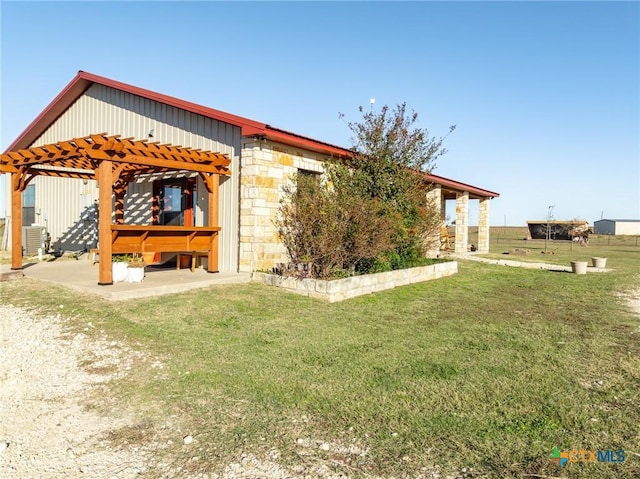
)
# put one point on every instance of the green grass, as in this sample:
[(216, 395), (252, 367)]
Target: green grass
[(490, 369), (617, 249)]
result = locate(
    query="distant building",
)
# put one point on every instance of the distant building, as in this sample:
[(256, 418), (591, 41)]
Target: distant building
[(555, 229), (617, 227)]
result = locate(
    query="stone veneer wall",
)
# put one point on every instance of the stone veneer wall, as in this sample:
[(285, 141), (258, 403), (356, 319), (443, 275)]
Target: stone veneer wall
[(265, 168), (341, 289)]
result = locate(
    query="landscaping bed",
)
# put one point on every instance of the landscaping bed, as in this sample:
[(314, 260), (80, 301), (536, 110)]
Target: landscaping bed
[(353, 286)]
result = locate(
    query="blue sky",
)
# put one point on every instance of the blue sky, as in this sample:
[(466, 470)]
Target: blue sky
[(545, 95)]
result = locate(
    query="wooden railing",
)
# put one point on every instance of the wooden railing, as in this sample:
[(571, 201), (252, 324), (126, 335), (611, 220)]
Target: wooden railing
[(162, 239)]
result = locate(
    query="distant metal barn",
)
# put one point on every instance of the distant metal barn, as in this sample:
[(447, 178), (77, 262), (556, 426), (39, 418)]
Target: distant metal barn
[(617, 227)]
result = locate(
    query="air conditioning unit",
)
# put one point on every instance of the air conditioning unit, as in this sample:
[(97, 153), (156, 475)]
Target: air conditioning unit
[(33, 238)]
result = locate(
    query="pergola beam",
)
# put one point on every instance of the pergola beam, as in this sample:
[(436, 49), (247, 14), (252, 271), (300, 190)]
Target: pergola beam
[(156, 162), (78, 152)]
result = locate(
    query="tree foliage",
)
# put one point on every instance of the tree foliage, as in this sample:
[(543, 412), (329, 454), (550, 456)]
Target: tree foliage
[(371, 212), (324, 225)]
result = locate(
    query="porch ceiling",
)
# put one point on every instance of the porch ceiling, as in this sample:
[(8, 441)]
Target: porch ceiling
[(78, 158)]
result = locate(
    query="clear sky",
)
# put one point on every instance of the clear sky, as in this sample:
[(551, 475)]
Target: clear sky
[(545, 95)]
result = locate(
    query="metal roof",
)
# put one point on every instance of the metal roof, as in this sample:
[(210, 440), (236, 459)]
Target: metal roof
[(618, 221)]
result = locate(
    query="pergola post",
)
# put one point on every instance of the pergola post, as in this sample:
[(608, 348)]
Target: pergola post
[(16, 221), (213, 184), (119, 205), (105, 183)]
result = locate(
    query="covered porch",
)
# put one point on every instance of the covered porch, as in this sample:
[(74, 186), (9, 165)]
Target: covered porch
[(444, 189), (114, 163)]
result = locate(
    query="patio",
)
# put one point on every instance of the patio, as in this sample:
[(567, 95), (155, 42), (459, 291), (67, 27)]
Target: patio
[(80, 275)]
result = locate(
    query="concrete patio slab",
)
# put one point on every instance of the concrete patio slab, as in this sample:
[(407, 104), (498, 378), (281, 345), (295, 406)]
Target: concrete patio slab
[(81, 276)]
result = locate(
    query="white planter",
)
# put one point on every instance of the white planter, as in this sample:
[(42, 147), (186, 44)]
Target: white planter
[(119, 272), (599, 262), (579, 267), (135, 274)]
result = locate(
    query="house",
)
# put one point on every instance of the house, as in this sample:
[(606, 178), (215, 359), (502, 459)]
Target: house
[(617, 227), (180, 176)]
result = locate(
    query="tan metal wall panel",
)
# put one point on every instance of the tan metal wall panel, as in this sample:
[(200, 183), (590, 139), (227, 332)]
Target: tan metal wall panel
[(106, 110), (67, 208), (627, 227)]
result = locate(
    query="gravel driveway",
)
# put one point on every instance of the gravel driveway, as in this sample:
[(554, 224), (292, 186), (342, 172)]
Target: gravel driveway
[(45, 432)]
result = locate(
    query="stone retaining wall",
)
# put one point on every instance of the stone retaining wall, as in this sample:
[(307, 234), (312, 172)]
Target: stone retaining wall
[(346, 288)]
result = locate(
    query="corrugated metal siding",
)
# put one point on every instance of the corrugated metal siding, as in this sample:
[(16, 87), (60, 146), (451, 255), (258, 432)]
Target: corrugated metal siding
[(605, 227), (106, 110)]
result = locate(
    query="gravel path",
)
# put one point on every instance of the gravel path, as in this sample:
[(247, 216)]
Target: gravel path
[(45, 432), (49, 431)]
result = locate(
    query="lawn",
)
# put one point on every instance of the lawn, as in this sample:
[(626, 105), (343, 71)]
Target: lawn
[(488, 370)]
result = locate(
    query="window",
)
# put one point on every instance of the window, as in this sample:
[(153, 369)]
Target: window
[(309, 173), (173, 202), (29, 205)]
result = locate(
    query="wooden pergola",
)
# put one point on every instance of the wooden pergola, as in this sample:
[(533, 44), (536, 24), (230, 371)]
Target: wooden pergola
[(115, 162)]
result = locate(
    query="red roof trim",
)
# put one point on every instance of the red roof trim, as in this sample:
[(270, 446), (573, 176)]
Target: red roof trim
[(83, 80), (289, 138), (457, 185)]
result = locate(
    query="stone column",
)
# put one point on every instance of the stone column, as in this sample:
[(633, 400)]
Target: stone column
[(462, 222), (483, 225), (250, 169), (434, 196)]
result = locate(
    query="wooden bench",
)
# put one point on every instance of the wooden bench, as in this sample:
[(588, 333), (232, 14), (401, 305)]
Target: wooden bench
[(93, 252), (194, 255)]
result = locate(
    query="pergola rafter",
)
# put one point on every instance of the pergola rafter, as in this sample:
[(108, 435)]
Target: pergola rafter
[(80, 153), (115, 162)]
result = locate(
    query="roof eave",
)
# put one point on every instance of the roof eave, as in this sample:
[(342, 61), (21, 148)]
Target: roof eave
[(457, 185)]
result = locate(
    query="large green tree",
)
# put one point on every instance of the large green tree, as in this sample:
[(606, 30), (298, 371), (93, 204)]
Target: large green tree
[(371, 212), (394, 157)]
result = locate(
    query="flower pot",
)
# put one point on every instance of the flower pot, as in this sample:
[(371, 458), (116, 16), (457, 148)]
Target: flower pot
[(579, 267), (119, 271), (149, 257), (135, 274), (599, 262)]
